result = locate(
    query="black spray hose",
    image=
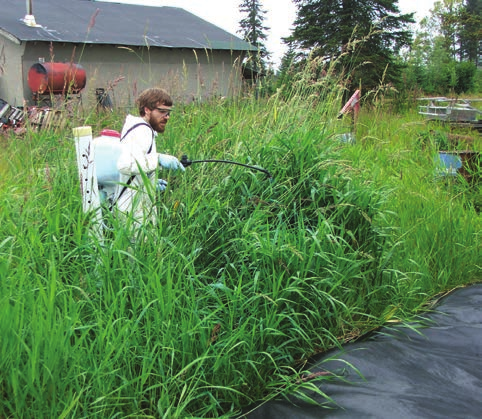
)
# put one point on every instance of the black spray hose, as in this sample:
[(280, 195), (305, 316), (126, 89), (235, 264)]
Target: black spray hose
[(186, 162)]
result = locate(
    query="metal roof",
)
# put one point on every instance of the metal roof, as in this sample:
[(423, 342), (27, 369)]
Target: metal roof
[(87, 21)]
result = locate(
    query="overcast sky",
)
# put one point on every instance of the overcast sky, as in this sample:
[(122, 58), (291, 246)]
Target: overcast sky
[(279, 17)]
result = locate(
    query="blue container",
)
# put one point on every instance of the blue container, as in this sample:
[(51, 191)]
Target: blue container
[(448, 164)]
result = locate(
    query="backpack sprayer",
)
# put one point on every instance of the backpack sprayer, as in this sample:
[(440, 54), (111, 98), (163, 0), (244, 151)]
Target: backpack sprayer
[(108, 150)]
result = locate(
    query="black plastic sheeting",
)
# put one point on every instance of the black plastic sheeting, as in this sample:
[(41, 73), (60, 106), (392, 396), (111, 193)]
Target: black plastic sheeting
[(434, 371)]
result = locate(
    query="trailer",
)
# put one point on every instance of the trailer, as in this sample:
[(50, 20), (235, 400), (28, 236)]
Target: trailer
[(451, 109)]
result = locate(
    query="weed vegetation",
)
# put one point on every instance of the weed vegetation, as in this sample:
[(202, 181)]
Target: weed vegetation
[(245, 277)]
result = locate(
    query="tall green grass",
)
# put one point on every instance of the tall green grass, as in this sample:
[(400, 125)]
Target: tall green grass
[(244, 278)]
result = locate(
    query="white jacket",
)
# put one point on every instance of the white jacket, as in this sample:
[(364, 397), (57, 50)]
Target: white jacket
[(139, 155)]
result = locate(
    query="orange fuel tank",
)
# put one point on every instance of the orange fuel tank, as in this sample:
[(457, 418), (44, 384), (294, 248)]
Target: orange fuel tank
[(56, 78)]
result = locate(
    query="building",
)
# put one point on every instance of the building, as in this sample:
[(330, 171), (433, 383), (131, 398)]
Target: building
[(120, 48)]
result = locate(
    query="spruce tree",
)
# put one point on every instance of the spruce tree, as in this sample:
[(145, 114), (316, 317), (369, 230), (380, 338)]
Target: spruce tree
[(254, 32), (361, 36)]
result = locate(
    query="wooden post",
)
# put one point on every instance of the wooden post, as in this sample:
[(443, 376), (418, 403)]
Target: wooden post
[(353, 104), (353, 107)]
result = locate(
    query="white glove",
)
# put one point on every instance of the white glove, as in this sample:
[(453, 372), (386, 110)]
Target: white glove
[(170, 162), (161, 185)]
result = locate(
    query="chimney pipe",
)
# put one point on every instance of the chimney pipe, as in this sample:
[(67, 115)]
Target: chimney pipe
[(29, 18)]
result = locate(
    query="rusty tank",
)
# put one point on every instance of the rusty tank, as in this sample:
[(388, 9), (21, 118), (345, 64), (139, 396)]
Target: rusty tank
[(56, 78)]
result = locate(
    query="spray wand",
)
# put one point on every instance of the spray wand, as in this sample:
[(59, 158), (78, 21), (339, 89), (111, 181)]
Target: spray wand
[(186, 162)]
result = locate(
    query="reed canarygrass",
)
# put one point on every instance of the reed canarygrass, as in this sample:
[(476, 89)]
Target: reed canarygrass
[(221, 305)]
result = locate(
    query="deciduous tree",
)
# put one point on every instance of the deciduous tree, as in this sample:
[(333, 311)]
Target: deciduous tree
[(471, 31)]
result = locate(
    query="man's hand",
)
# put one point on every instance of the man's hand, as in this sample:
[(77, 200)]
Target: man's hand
[(170, 162), (161, 185)]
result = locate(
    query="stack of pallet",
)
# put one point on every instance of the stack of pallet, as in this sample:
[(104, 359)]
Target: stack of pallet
[(46, 118)]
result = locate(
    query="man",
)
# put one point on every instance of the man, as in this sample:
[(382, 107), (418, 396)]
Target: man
[(139, 159)]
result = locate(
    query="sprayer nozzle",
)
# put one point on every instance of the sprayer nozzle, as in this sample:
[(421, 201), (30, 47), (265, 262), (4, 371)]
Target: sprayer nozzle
[(185, 161)]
